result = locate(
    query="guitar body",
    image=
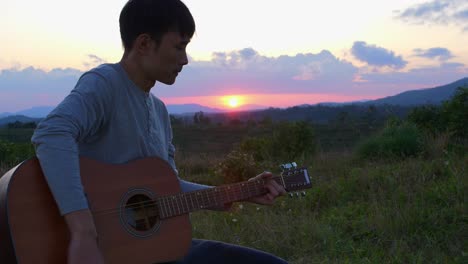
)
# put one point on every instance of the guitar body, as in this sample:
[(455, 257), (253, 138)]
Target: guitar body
[(129, 231)]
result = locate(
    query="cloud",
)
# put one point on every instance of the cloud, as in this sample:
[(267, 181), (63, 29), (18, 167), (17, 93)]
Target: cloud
[(28, 87), (433, 53), (438, 12), (445, 72), (377, 56), (93, 61), (246, 71)]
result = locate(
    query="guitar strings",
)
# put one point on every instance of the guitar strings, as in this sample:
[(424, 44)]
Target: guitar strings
[(168, 200), (178, 197), (174, 201), (205, 199)]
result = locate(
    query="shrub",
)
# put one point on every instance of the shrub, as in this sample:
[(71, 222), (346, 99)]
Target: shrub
[(14, 153), (428, 118), (259, 147), (292, 141), (238, 166), (289, 141), (455, 113), (396, 140)]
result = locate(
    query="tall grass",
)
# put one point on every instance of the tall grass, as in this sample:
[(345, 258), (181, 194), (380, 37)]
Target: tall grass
[(392, 211), (390, 208)]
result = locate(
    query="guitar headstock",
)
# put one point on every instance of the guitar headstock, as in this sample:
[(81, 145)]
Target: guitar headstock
[(294, 178)]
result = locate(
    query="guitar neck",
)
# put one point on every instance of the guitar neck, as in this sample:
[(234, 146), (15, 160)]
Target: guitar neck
[(184, 203)]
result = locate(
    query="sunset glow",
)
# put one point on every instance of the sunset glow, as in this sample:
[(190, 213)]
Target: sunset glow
[(263, 100), (387, 48), (232, 101)]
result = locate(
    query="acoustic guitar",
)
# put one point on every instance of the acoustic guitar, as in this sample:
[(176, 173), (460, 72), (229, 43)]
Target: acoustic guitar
[(140, 213)]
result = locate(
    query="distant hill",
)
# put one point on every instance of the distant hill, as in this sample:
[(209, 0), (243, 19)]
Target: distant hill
[(37, 111), (20, 118), (5, 114), (434, 95), (191, 108), (33, 112), (43, 111)]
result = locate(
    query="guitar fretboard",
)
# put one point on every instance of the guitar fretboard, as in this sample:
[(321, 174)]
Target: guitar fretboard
[(184, 203)]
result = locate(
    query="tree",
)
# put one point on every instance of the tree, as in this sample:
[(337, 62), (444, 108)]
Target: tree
[(200, 119), (455, 112)]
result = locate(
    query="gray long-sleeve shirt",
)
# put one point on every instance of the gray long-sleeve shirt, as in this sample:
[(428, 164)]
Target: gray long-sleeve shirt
[(105, 117)]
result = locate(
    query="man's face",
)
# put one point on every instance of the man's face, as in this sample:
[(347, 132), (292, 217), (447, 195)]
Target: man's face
[(166, 58)]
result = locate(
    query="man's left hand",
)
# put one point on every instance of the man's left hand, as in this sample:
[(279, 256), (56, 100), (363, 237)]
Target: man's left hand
[(273, 189)]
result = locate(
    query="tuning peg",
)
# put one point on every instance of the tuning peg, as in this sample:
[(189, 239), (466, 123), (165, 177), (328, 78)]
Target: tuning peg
[(303, 194), (291, 195), (288, 166), (297, 195)]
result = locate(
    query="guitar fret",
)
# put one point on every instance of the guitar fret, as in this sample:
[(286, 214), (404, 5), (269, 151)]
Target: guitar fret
[(198, 196), (191, 200), (180, 206), (207, 197), (172, 206), (161, 208), (216, 197), (179, 200), (164, 202), (177, 204), (186, 202)]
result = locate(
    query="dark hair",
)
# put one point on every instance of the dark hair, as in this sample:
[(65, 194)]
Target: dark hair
[(154, 17)]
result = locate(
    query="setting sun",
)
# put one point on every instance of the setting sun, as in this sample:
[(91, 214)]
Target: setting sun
[(232, 101)]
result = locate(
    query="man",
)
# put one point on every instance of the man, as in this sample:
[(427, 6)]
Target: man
[(111, 116)]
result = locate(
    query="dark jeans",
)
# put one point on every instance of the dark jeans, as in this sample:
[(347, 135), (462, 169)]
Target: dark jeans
[(211, 252)]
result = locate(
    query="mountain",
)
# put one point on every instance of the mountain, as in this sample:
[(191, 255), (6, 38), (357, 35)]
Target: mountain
[(409, 98), (5, 114), (33, 112), (14, 118), (191, 108), (43, 111), (37, 111), (434, 95)]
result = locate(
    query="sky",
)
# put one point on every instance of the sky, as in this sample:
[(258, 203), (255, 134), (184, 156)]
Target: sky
[(244, 52)]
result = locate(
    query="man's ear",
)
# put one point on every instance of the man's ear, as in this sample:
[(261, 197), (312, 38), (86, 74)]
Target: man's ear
[(143, 44)]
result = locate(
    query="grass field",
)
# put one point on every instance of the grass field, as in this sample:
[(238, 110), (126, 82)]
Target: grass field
[(409, 210)]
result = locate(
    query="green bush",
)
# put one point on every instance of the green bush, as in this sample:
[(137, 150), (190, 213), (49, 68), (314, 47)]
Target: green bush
[(13, 153), (451, 117), (259, 147), (237, 166), (293, 141), (396, 140), (428, 118), (290, 141), (455, 113)]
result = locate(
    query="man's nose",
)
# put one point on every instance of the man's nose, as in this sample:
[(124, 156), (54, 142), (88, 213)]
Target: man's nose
[(184, 59)]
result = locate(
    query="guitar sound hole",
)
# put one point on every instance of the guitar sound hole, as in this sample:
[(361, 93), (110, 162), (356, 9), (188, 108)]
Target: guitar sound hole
[(141, 213)]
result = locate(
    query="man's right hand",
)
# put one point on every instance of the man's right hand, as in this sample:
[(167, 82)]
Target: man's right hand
[(83, 247)]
